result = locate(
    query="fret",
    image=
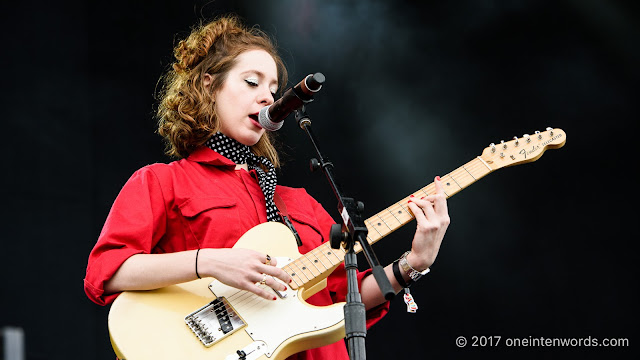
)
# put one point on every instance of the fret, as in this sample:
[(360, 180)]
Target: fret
[(455, 181), (394, 216), (374, 228), (383, 222), (306, 263), (468, 172), (404, 213), (306, 273), (389, 218), (450, 182), (405, 208), (374, 235), (480, 168), (317, 262), (330, 253), (294, 276)]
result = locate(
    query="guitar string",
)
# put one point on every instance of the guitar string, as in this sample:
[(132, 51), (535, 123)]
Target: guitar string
[(460, 174), (244, 301), (387, 215), (463, 172), (237, 297)]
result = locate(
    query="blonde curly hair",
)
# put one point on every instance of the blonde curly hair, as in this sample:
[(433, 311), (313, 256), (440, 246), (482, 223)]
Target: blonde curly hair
[(186, 112)]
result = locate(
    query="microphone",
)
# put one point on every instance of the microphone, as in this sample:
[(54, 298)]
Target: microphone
[(271, 117)]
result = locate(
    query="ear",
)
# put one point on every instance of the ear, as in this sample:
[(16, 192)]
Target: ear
[(207, 79)]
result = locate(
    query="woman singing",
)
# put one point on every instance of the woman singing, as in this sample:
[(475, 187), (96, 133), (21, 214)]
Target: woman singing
[(177, 222)]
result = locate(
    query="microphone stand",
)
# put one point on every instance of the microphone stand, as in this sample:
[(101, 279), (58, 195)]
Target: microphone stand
[(352, 230)]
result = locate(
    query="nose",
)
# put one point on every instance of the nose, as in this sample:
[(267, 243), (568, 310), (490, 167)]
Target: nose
[(265, 97)]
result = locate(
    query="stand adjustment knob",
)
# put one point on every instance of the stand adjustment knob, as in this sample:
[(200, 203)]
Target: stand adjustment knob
[(337, 236), (314, 164)]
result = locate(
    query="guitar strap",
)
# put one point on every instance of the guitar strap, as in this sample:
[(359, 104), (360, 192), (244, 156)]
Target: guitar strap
[(282, 211)]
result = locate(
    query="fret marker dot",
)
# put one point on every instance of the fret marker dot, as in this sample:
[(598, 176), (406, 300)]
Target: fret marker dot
[(304, 268), (379, 224)]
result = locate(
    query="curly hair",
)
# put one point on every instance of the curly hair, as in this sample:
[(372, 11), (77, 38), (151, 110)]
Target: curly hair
[(186, 112)]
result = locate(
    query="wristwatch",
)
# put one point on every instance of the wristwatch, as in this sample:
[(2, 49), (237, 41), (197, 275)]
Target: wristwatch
[(414, 274)]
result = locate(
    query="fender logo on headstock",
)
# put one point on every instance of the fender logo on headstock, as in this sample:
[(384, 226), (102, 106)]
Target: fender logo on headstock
[(522, 150), (535, 148), (525, 152)]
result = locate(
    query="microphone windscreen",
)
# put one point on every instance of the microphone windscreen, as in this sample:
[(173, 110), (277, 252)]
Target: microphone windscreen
[(265, 120)]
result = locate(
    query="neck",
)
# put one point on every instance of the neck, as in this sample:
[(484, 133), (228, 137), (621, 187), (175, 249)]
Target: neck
[(242, 166)]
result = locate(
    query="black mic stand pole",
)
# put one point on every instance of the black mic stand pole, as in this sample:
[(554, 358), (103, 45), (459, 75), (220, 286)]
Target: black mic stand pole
[(353, 229)]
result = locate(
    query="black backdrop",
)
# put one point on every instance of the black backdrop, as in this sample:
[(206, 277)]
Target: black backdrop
[(412, 91)]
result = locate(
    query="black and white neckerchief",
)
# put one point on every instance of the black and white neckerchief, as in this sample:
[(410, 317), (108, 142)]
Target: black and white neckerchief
[(241, 154)]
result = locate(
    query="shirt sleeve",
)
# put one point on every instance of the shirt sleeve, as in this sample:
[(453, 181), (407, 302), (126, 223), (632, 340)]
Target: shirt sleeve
[(337, 281), (136, 222)]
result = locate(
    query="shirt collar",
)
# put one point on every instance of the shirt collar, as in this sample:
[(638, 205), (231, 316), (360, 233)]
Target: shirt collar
[(205, 155)]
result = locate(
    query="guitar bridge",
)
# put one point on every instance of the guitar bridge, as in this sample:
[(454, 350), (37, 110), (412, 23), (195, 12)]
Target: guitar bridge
[(214, 321)]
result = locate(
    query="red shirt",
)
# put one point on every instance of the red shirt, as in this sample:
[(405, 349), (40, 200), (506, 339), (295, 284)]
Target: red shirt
[(203, 202)]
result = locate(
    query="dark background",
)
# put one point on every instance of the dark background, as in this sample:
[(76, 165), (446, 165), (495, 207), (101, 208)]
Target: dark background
[(413, 91)]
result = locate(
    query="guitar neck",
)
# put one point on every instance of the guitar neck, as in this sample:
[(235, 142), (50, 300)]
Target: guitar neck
[(321, 261), (397, 215)]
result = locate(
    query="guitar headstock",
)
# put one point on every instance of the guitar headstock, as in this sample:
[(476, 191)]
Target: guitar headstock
[(522, 150)]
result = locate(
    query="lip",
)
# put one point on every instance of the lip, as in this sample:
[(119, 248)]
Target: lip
[(254, 121)]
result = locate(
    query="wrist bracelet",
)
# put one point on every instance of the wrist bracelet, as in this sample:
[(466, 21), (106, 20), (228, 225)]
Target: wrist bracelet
[(398, 275), (197, 253), (414, 274)]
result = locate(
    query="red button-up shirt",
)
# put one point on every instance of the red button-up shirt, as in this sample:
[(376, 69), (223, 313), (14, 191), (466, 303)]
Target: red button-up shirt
[(203, 202)]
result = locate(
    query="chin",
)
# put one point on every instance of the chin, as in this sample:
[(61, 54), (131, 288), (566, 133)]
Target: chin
[(251, 139)]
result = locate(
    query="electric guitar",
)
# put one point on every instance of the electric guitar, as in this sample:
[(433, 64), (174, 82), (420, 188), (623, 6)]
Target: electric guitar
[(205, 319)]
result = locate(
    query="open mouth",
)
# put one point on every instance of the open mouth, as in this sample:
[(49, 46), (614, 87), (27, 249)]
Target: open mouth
[(254, 119)]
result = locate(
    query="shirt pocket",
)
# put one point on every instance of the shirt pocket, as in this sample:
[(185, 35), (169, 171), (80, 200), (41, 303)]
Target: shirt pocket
[(213, 221), (309, 230)]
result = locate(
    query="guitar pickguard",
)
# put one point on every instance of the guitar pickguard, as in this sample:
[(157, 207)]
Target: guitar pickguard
[(267, 322)]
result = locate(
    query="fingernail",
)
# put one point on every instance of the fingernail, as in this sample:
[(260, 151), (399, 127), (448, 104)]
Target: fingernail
[(411, 195), (438, 178), (285, 288), (409, 201), (274, 298), (422, 198)]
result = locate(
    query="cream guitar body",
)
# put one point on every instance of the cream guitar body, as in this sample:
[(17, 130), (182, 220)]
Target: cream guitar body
[(205, 319), (151, 324)]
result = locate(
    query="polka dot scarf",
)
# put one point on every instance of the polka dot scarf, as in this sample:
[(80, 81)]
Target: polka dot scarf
[(240, 154)]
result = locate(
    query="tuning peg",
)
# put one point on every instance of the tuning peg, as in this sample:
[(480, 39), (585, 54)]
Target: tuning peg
[(539, 135), (516, 139), (550, 130), (493, 147), (526, 136), (504, 146)]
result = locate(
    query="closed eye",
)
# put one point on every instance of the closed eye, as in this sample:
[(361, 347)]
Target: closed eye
[(252, 82)]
